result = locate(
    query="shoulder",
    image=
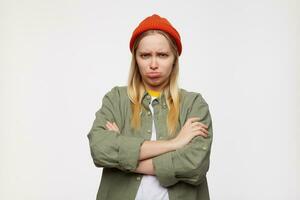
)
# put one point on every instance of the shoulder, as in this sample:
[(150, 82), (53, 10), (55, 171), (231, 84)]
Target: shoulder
[(117, 92), (191, 97)]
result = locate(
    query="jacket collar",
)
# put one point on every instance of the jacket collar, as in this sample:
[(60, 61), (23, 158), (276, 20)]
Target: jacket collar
[(146, 99)]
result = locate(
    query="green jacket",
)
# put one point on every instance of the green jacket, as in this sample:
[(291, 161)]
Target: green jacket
[(182, 172)]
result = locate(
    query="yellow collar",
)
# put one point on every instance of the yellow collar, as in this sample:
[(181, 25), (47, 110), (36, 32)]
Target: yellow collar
[(153, 93)]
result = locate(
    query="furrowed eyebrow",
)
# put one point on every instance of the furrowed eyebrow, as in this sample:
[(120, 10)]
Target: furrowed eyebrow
[(146, 52), (163, 52), (143, 51)]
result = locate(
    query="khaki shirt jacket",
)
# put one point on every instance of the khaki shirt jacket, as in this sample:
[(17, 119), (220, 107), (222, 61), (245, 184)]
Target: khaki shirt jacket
[(182, 172)]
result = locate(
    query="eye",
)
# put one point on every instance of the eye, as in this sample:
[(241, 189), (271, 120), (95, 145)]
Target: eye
[(163, 55), (144, 55)]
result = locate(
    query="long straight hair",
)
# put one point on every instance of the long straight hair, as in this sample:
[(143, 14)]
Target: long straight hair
[(136, 87)]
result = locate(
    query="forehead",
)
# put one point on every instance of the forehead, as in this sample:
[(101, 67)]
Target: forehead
[(154, 42)]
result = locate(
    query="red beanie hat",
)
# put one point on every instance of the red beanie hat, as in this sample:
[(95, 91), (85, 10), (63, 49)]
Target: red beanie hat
[(155, 22)]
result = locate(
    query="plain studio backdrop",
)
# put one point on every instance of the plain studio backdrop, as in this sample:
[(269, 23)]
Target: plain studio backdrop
[(59, 58)]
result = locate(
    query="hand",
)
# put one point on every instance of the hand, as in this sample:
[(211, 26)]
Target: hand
[(112, 126), (191, 128)]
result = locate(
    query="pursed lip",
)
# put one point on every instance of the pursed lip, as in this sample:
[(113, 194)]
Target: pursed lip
[(153, 74)]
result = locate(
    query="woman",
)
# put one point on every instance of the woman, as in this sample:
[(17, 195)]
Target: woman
[(152, 138)]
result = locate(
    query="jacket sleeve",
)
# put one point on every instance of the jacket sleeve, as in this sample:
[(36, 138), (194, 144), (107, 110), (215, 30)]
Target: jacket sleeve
[(191, 162), (109, 148)]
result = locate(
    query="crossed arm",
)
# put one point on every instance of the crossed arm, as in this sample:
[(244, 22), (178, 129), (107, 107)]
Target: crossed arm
[(150, 149), (183, 158)]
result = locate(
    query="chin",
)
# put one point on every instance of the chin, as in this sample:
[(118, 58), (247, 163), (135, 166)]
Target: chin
[(156, 83)]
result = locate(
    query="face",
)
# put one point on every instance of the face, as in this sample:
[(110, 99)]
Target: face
[(155, 61)]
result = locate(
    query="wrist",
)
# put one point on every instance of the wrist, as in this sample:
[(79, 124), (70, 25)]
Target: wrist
[(172, 144), (145, 167)]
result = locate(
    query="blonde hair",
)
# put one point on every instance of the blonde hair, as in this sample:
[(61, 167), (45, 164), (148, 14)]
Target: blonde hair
[(136, 87)]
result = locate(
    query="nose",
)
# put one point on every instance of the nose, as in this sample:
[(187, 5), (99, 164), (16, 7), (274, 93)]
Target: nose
[(153, 64)]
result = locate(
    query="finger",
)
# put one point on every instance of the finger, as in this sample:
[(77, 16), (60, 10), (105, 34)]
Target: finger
[(193, 119), (113, 126), (201, 130), (203, 125), (197, 124), (200, 124), (204, 130), (108, 123), (116, 127), (200, 127), (202, 133), (110, 126)]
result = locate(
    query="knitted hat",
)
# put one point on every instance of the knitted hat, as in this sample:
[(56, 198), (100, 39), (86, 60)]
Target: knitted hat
[(155, 22)]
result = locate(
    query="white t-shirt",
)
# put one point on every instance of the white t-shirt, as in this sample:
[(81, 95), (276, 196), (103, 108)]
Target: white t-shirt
[(150, 188)]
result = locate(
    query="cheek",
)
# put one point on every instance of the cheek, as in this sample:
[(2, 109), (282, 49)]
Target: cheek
[(167, 66), (141, 65), (140, 62)]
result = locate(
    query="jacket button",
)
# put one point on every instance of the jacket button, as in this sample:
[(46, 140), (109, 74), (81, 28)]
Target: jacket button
[(149, 131), (148, 97), (149, 113), (138, 178), (204, 148)]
